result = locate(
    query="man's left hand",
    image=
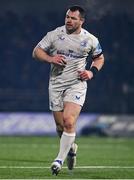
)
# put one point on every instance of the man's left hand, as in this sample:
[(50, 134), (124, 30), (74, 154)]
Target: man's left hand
[(85, 75)]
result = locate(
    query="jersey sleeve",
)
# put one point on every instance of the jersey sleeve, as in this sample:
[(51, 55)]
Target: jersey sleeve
[(96, 48), (46, 42)]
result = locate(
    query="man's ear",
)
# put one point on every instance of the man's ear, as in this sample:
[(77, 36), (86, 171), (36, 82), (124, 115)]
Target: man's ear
[(82, 21)]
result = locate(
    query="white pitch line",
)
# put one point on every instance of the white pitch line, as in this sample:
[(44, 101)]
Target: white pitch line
[(54, 146), (77, 167)]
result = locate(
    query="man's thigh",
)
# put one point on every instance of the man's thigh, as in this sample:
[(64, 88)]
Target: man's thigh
[(71, 111)]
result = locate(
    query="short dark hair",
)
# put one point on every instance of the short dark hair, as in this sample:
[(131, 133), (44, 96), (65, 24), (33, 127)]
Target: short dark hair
[(78, 8)]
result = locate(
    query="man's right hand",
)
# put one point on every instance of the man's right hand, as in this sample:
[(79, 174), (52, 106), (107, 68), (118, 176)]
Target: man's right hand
[(59, 60)]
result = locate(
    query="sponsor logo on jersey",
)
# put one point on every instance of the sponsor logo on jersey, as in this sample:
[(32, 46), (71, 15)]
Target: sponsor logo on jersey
[(70, 53)]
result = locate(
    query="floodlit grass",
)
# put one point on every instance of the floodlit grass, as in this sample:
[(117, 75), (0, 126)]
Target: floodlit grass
[(97, 158)]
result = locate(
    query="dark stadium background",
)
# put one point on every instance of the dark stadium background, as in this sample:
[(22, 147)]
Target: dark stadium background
[(105, 128), (24, 81)]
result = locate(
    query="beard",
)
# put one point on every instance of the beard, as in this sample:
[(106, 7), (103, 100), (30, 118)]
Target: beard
[(71, 30)]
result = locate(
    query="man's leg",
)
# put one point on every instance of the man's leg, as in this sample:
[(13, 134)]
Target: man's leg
[(58, 117), (71, 157), (70, 115)]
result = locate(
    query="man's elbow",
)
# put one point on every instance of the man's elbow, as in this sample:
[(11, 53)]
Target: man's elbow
[(102, 59)]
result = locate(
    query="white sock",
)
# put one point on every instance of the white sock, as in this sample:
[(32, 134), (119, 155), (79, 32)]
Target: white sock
[(66, 141)]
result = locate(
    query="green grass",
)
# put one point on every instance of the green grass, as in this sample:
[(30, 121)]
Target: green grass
[(29, 157)]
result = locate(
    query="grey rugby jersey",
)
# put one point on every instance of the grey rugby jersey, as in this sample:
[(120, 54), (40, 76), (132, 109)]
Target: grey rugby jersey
[(75, 48)]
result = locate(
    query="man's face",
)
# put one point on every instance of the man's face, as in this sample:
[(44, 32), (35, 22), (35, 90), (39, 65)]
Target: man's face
[(73, 22)]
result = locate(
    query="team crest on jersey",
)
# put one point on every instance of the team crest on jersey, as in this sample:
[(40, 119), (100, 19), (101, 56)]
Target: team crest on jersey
[(61, 37), (83, 43)]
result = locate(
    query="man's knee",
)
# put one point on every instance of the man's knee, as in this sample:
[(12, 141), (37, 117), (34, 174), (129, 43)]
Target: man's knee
[(68, 122)]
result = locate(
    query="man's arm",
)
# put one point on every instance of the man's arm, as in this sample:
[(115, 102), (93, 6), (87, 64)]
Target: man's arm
[(98, 62), (41, 55), (96, 66)]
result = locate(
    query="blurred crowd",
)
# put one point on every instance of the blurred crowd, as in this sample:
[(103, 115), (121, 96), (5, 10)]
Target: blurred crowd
[(24, 81)]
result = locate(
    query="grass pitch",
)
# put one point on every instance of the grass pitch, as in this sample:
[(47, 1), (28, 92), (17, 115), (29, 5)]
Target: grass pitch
[(97, 158)]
